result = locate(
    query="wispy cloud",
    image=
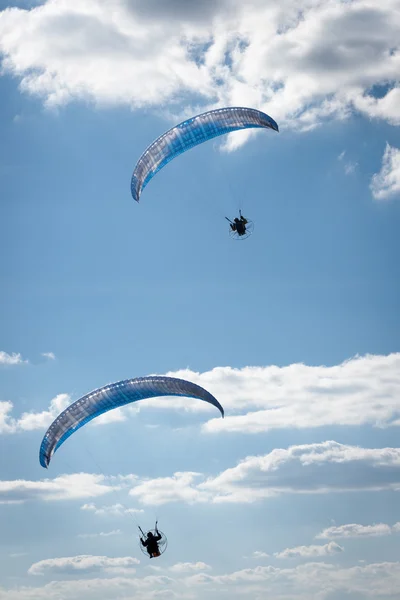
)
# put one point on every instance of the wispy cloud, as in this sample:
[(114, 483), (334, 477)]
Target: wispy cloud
[(259, 554), (100, 534), (349, 167), (386, 183), (49, 355)]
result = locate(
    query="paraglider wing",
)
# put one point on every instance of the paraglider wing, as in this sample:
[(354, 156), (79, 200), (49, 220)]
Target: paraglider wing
[(192, 132), (111, 396)]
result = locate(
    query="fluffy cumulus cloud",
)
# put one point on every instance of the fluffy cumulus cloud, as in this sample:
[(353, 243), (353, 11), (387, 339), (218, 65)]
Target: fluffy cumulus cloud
[(31, 420), (180, 487), (386, 183), (310, 552), (64, 487), (88, 563), (11, 359), (360, 391), (302, 62), (354, 530), (293, 470)]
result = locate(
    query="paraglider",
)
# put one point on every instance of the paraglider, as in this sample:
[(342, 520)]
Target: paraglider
[(190, 133), (112, 396), (241, 227), (154, 542)]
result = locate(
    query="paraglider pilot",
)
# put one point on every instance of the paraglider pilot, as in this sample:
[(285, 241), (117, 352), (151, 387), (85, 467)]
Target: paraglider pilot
[(239, 225), (151, 543)]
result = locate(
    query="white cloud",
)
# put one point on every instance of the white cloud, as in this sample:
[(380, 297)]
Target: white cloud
[(188, 567), (259, 554), (375, 580), (30, 421), (297, 469), (64, 487), (112, 509), (181, 487), (7, 423), (100, 534), (360, 391), (302, 62), (352, 530), (310, 551), (350, 167), (85, 562), (11, 359), (49, 355), (99, 588), (293, 470), (386, 183)]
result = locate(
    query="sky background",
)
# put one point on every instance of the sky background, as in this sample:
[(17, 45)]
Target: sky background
[(295, 494)]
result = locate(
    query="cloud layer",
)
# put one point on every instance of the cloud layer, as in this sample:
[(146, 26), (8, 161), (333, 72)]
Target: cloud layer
[(310, 580), (301, 62), (293, 470), (360, 391)]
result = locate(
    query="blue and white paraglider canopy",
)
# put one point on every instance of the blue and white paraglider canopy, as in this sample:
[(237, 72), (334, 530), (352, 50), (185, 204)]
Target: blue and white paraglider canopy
[(112, 396)]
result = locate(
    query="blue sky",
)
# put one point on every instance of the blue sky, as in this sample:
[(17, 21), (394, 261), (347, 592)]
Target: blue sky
[(295, 330)]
